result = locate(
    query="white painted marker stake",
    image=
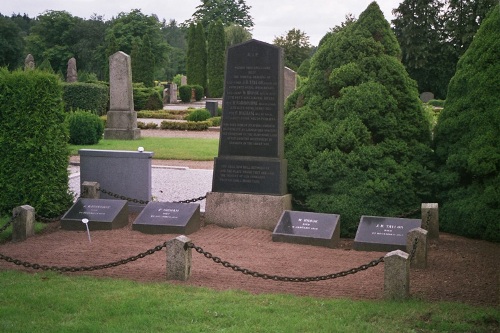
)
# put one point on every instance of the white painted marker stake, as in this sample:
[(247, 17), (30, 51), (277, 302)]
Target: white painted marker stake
[(86, 222)]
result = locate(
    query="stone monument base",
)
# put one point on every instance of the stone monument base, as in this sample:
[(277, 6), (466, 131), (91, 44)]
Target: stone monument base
[(122, 134), (245, 210)]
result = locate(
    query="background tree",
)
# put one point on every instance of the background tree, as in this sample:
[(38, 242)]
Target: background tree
[(467, 140), (142, 66), (11, 43), (357, 139), (236, 34), (52, 37), (433, 34), (197, 56), (296, 47), (89, 49), (127, 27), (228, 11), (176, 37), (215, 59)]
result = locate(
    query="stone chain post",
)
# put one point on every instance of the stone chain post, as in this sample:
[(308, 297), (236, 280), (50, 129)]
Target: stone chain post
[(178, 259), (419, 259), (23, 226), (430, 219), (90, 190), (396, 275)]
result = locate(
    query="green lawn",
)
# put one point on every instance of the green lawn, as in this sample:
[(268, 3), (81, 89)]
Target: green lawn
[(163, 148), (50, 302)]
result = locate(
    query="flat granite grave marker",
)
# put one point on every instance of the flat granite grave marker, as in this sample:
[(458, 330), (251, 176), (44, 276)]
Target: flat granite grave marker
[(168, 218), (383, 234), (308, 228), (103, 214)]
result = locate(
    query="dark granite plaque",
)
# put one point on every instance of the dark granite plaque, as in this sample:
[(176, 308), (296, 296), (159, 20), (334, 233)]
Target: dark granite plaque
[(103, 214), (308, 228), (168, 218), (383, 234), (249, 175), (252, 123)]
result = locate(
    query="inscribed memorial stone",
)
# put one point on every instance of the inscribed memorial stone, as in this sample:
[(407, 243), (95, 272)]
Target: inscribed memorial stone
[(168, 218), (251, 149), (308, 228), (103, 214), (383, 233)]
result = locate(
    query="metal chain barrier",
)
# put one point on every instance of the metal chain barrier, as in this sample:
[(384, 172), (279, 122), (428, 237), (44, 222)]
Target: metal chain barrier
[(245, 271), (9, 222), (145, 202), (414, 249), (47, 219), (83, 268)]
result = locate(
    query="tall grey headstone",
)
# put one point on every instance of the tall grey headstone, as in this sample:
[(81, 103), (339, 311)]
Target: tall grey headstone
[(121, 123), (172, 87), (184, 80), (426, 96), (29, 62), (71, 73), (290, 80), (250, 170)]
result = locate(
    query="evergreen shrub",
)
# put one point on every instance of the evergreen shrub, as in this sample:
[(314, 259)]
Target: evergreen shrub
[(198, 92), (437, 102), (198, 115), (85, 128), (146, 98), (185, 93), (467, 140), (357, 139), (86, 96), (33, 143)]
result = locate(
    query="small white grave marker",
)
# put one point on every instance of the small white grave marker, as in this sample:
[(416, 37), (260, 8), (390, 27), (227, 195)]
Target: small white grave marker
[(86, 222)]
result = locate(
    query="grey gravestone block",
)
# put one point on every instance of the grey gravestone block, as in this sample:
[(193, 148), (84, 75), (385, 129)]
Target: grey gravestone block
[(252, 122), (103, 214), (126, 173), (308, 228), (71, 72), (383, 234), (168, 218), (212, 107)]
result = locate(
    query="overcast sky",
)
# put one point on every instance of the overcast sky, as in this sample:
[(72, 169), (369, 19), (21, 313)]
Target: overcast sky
[(272, 18)]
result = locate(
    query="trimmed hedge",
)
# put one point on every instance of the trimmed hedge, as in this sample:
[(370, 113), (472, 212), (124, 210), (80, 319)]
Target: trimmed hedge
[(85, 128), (185, 126), (33, 143), (198, 92), (147, 98), (86, 96), (185, 93), (198, 115)]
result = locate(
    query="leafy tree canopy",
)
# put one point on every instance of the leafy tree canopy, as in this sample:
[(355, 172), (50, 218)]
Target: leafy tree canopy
[(467, 140), (296, 47), (11, 43), (236, 34), (357, 139), (228, 11)]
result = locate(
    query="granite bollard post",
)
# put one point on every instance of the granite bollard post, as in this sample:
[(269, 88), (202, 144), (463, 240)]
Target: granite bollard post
[(178, 259), (430, 219), (419, 259), (396, 275), (23, 225), (90, 190)]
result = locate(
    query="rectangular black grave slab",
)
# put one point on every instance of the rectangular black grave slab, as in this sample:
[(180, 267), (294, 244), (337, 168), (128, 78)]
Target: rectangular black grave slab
[(308, 228), (103, 214), (383, 234), (168, 218)]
